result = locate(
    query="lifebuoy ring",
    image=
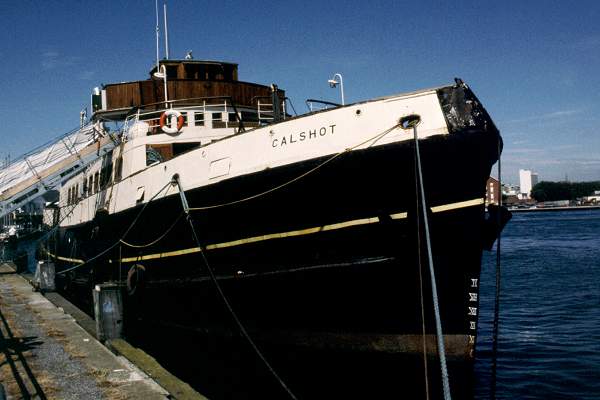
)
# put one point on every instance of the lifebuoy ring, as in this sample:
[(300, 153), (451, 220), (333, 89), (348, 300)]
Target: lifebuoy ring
[(164, 118), (135, 279)]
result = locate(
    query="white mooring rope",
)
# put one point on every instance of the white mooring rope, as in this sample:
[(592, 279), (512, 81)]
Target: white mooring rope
[(436, 306)]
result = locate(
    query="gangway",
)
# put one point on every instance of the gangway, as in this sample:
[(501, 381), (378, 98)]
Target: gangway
[(48, 166)]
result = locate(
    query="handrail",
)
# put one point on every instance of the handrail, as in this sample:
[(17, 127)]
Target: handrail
[(327, 103), (203, 105)]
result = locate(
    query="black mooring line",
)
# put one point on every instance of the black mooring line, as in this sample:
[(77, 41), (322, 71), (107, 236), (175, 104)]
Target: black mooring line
[(498, 270)]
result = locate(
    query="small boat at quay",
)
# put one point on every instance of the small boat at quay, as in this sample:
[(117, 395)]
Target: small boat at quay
[(310, 226)]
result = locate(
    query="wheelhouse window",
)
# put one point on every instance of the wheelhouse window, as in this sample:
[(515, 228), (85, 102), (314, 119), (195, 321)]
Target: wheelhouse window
[(171, 71), (233, 120), (217, 120), (249, 118), (199, 118)]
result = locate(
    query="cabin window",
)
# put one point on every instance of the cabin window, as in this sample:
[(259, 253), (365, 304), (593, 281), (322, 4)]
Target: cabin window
[(217, 120), (180, 148), (193, 71), (118, 169), (97, 182), (199, 118), (157, 153), (233, 120), (171, 71), (249, 118), (84, 187), (105, 176), (91, 185)]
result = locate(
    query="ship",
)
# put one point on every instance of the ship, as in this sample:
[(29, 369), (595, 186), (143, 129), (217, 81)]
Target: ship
[(308, 227)]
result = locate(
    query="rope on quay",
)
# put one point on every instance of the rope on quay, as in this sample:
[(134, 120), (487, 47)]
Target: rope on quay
[(497, 296), (213, 278), (109, 248), (413, 121)]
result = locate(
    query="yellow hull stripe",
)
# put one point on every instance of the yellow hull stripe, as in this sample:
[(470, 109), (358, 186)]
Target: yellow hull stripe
[(256, 239), (460, 204), (401, 215), (67, 259), (301, 232)]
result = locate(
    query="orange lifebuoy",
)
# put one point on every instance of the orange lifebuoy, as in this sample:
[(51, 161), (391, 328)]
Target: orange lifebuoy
[(163, 121)]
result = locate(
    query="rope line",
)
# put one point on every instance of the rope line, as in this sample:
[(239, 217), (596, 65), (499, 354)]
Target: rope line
[(232, 312), (139, 246), (497, 296), (421, 291), (436, 306), (330, 159)]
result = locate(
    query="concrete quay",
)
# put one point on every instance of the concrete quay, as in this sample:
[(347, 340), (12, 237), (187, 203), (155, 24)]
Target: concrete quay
[(46, 354)]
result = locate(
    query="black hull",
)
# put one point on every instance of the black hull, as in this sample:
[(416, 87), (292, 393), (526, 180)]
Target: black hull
[(353, 286)]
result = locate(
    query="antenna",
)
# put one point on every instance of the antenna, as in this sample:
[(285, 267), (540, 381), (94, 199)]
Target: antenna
[(166, 31), (157, 32)]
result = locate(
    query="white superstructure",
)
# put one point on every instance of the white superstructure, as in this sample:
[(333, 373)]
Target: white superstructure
[(212, 149)]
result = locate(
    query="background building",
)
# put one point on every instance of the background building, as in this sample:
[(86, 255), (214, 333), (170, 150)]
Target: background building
[(492, 193), (527, 180)]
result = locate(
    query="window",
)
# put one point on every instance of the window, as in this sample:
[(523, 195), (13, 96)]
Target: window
[(217, 120), (118, 170), (233, 120), (180, 148), (153, 155), (199, 118), (105, 176), (97, 182), (171, 71), (249, 118)]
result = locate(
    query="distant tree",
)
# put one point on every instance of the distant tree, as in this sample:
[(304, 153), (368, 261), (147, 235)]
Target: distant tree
[(553, 191)]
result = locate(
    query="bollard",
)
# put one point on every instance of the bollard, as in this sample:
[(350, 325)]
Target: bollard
[(108, 311), (20, 261), (44, 279)]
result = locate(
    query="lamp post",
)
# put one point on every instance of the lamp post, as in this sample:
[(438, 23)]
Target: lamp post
[(163, 74), (333, 83)]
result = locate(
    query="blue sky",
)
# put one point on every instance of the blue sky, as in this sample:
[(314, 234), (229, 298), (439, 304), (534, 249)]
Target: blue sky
[(534, 64)]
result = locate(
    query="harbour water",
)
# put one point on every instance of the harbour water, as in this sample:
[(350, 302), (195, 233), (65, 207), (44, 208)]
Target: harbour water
[(549, 341)]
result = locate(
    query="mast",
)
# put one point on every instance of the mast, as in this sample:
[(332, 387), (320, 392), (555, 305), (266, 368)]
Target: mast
[(157, 30), (166, 31)]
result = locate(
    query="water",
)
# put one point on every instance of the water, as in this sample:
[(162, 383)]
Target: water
[(549, 342)]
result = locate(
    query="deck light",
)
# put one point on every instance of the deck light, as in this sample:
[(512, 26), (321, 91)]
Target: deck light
[(163, 75), (333, 83)]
